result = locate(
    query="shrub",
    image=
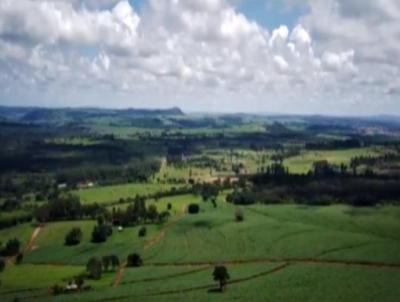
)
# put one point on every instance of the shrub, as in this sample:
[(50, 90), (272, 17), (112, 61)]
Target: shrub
[(193, 208), (56, 290), (239, 216), (142, 232), (11, 248), (163, 216), (114, 261), (94, 268), (74, 237), (134, 260), (79, 281), (106, 262), (152, 212)]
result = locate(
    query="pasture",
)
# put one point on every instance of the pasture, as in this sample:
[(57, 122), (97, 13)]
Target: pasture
[(303, 162), (111, 194), (278, 253)]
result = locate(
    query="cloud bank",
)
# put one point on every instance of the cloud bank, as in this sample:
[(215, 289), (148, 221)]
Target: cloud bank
[(200, 54)]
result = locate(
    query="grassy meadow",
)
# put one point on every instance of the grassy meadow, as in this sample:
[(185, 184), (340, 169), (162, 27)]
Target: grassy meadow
[(309, 247)]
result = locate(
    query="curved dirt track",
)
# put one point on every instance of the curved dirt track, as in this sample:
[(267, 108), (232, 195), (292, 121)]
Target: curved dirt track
[(148, 244), (31, 243), (118, 276), (196, 288)]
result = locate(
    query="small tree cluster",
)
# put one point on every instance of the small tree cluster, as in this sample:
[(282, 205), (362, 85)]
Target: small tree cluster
[(94, 268), (73, 237), (101, 231), (12, 248), (110, 261)]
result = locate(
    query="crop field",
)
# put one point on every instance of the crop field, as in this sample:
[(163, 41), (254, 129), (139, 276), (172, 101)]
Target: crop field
[(50, 247), (303, 163), (277, 252), (108, 194), (22, 231), (263, 200)]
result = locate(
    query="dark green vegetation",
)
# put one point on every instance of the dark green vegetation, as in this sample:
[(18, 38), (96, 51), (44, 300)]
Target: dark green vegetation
[(94, 204)]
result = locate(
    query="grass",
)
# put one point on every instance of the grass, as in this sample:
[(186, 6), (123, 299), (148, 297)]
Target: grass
[(108, 194), (196, 243), (22, 232), (303, 163), (51, 248), (280, 232)]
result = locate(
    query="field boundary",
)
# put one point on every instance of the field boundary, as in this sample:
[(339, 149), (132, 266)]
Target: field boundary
[(200, 287), (286, 260)]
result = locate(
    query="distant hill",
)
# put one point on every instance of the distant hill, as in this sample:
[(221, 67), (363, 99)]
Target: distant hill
[(69, 115)]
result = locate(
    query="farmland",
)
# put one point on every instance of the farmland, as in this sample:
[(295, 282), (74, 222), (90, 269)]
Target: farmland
[(145, 206), (109, 194), (343, 244)]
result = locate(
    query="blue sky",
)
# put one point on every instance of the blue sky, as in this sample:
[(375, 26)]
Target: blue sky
[(271, 14)]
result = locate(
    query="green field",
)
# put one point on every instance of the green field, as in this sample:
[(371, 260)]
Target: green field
[(109, 194), (51, 248), (304, 162), (278, 253), (22, 232)]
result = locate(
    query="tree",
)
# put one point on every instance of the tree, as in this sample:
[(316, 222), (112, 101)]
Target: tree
[(134, 260), (209, 191), (73, 237), (239, 216), (101, 231), (193, 208), (142, 232), (221, 275), (12, 247), (106, 262), (94, 268), (99, 234), (163, 216), (152, 213), (79, 281), (60, 207), (114, 261)]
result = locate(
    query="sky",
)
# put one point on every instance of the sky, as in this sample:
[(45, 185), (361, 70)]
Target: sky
[(336, 57)]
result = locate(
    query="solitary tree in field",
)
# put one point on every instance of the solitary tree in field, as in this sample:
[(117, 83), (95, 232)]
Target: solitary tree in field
[(239, 216), (134, 260), (221, 275), (193, 208), (142, 232), (152, 213), (74, 237)]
